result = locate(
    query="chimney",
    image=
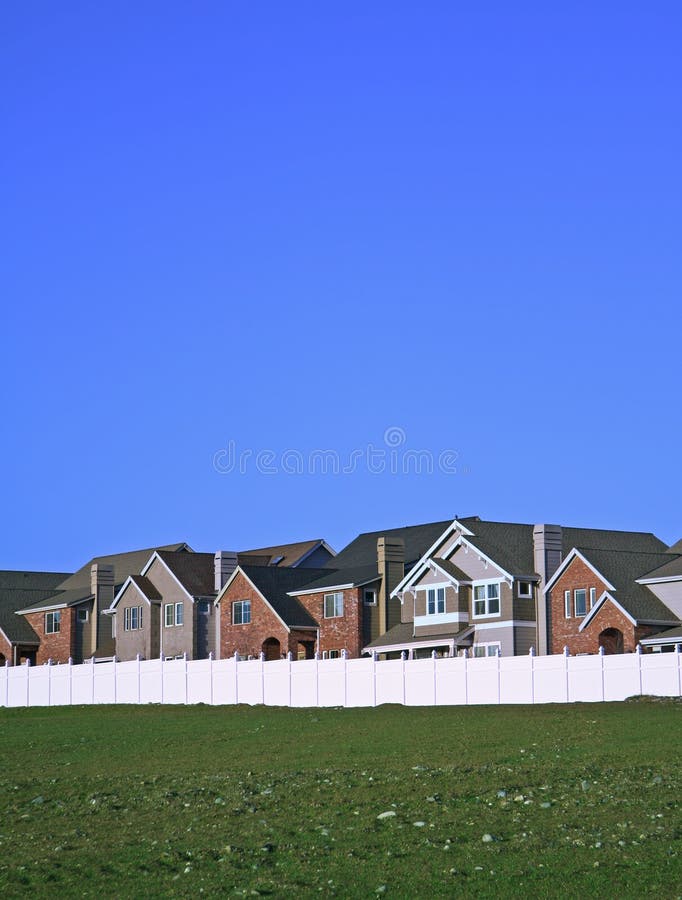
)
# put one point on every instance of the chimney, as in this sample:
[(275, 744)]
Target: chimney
[(224, 564), (391, 564), (547, 553), (102, 589)]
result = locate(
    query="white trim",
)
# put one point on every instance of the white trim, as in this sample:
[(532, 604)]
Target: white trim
[(29, 611), (330, 588), (507, 623), (598, 605), (154, 556), (575, 553), (426, 556), (111, 609), (658, 580), (655, 640), (440, 619)]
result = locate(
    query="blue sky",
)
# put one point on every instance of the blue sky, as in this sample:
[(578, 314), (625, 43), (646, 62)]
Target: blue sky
[(295, 226)]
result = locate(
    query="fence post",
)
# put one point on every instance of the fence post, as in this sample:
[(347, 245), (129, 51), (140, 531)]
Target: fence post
[(139, 686), (344, 656), (70, 682), (435, 679), (186, 679), (7, 683), (375, 657), (531, 653), (210, 671), (499, 676), (115, 680), (92, 680), (162, 669), (566, 655), (466, 676), (678, 654), (317, 679), (638, 651), (28, 677), (236, 677), (290, 660), (49, 682), (603, 682), (403, 657)]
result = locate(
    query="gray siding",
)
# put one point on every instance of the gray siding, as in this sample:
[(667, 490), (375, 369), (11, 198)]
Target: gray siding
[(131, 643), (175, 639), (524, 639), (670, 593)]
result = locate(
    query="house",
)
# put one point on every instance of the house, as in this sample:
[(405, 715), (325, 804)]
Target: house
[(18, 641), (480, 587), (70, 623), (353, 601), (169, 609), (258, 612), (614, 600)]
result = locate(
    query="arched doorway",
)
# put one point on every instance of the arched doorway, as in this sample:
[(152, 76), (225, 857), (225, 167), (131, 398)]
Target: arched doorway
[(611, 639), (271, 649)]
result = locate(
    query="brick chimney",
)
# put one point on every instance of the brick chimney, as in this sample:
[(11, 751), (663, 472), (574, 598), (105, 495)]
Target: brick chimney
[(102, 589), (547, 553), (224, 564), (391, 563)]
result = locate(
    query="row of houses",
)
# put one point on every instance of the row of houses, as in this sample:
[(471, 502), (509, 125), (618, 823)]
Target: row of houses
[(466, 585)]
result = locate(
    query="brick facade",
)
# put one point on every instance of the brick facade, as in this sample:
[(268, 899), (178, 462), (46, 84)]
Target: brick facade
[(565, 632), (340, 632), (249, 640), (57, 647)]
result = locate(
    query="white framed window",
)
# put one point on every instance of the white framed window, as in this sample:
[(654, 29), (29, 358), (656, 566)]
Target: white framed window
[(179, 613), (567, 604), (241, 612), (487, 599), (132, 618), (435, 601), (491, 648), (593, 597), (333, 605), (168, 615), (526, 589), (580, 602), (82, 615), (53, 622), (334, 654), (370, 597)]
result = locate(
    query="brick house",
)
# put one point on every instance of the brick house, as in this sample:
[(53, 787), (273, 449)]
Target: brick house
[(257, 613), (612, 599), (71, 622), (169, 609), (480, 587), (19, 642)]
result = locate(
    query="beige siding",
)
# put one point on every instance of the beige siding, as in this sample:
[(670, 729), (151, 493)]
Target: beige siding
[(472, 566), (505, 636), (670, 593), (131, 643), (175, 639)]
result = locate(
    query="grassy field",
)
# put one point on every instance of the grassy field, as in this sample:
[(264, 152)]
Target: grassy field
[(571, 801)]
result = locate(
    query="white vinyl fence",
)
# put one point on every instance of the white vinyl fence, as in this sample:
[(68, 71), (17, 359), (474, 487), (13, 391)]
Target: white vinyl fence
[(348, 682)]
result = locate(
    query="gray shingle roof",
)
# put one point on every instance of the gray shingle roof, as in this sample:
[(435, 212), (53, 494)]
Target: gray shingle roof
[(362, 550), (622, 568), (355, 576), (147, 588), (669, 634), (291, 554), (275, 584), (19, 590), (194, 571), (452, 569), (404, 634), (672, 568), (76, 588)]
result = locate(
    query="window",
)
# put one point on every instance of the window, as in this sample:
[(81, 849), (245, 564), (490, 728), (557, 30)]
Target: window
[(593, 597), (333, 605), (370, 598), (487, 599), (334, 654), (580, 602), (435, 601), (132, 618), (82, 615), (241, 612), (168, 615), (567, 604), (178, 613), (525, 589), (53, 622), (490, 649)]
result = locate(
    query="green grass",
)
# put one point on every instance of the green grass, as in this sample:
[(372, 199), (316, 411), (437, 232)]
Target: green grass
[(490, 801)]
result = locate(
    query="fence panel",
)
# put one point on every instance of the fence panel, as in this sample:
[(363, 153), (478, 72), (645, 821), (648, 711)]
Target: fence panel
[(451, 681), (390, 686), (621, 676), (304, 687), (420, 682), (516, 679), (360, 682), (550, 681), (661, 674), (585, 679)]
